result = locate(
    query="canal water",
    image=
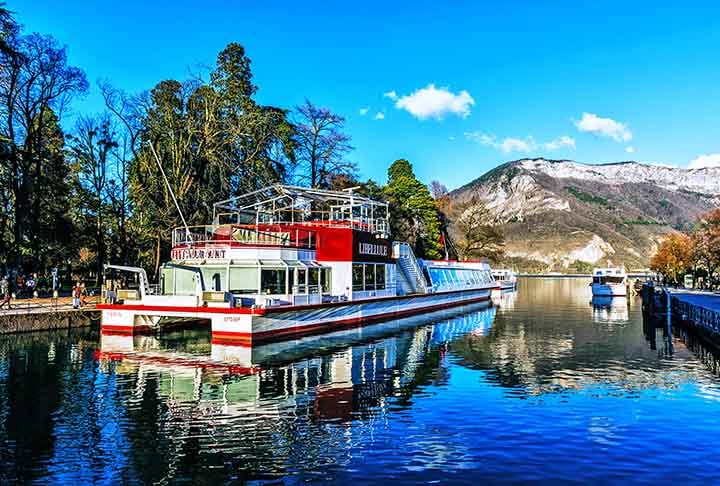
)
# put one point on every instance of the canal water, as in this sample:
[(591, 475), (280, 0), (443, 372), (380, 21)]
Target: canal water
[(544, 386)]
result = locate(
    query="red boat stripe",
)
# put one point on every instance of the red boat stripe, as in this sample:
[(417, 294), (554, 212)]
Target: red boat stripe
[(240, 338), (269, 310)]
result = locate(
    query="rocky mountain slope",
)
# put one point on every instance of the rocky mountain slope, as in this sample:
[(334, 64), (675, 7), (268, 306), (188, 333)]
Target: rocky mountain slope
[(564, 215)]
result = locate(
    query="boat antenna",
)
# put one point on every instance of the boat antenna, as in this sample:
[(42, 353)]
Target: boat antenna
[(172, 193)]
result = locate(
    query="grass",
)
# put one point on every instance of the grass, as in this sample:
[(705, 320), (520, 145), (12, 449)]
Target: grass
[(587, 197)]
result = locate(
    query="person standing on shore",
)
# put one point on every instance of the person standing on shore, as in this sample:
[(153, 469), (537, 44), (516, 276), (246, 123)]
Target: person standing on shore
[(5, 293), (76, 294)]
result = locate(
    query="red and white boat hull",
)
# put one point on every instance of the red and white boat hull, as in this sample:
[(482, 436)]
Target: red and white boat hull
[(250, 326)]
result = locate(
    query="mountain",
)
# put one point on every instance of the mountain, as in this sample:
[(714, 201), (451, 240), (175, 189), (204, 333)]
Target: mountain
[(562, 215)]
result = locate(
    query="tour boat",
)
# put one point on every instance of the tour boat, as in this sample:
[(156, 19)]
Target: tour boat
[(506, 279), (285, 262), (609, 282)]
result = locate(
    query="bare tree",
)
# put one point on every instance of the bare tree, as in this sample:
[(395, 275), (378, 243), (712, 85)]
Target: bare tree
[(321, 146), (35, 80), (93, 145), (475, 234), (438, 190)]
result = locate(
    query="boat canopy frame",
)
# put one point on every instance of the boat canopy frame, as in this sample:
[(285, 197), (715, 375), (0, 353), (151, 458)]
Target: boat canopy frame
[(289, 204)]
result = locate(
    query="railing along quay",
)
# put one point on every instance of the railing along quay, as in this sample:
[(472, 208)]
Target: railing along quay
[(696, 313), (45, 314), (698, 309)]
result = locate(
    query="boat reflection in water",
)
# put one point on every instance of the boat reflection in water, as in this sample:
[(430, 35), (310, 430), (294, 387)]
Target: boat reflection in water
[(332, 376), (505, 299), (610, 309)]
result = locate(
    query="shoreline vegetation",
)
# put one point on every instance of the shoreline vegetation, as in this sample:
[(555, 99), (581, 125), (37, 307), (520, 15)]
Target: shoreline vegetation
[(83, 192), (78, 198)]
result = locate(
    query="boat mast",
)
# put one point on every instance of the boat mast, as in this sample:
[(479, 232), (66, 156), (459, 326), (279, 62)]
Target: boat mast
[(172, 193)]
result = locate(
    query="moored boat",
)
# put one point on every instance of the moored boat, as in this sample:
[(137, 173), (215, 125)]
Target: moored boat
[(506, 279), (609, 282), (285, 262)]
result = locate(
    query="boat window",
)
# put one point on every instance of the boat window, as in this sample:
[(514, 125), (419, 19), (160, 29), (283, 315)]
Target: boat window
[(167, 279), (357, 276), (291, 281), (326, 280), (380, 276), (369, 277), (314, 280), (243, 280), (184, 282), (214, 278), (272, 281)]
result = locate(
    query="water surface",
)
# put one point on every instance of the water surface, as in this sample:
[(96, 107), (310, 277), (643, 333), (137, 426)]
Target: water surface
[(547, 386)]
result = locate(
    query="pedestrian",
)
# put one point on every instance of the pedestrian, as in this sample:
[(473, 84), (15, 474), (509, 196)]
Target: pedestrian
[(111, 296), (76, 294), (83, 294), (5, 293)]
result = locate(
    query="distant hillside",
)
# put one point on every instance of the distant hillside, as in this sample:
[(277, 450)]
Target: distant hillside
[(564, 215)]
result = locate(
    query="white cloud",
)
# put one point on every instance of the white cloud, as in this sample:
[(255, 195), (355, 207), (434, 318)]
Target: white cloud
[(391, 94), (379, 116), (517, 145), (432, 102), (630, 150), (451, 138), (560, 142), (364, 111), (525, 145), (702, 161), (604, 127)]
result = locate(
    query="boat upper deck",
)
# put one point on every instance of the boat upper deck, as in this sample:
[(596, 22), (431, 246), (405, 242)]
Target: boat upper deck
[(285, 216)]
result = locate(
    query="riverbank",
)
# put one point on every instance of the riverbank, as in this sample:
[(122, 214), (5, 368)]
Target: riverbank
[(695, 309), (27, 315), (578, 275)]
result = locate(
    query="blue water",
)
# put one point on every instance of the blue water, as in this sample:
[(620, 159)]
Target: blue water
[(546, 386)]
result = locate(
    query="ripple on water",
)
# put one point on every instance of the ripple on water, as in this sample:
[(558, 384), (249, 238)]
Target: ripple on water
[(549, 388)]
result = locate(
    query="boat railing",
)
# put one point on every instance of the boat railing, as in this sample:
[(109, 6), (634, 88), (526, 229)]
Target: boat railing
[(229, 234), (405, 256)]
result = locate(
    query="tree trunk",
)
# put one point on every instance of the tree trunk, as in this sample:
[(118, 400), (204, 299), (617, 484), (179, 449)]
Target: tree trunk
[(100, 258), (157, 257)]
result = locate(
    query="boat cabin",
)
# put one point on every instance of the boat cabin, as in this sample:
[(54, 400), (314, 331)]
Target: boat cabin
[(285, 245), (604, 276)]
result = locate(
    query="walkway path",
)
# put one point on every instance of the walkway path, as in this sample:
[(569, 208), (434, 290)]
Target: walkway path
[(46, 304), (704, 299)]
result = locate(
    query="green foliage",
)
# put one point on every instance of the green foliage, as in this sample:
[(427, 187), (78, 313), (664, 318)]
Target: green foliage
[(587, 197), (213, 141), (642, 221), (413, 212), (579, 266)]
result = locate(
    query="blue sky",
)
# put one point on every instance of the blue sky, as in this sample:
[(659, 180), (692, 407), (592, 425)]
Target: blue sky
[(475, 83)]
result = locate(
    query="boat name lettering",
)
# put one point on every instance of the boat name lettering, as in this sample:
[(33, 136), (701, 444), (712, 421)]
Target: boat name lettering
[(197, 253), (373, 249)]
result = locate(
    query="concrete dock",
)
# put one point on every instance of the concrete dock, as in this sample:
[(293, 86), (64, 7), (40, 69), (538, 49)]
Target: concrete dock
[(691, 308), (698, 308), (44, 314)]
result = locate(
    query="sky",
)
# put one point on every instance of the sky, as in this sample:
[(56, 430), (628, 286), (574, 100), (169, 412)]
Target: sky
[(455, 88)]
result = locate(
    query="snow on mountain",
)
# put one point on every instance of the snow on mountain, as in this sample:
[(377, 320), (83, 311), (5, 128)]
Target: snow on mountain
[(705, 180), (558, 213)]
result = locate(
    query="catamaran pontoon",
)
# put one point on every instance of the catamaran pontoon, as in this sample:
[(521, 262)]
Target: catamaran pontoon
[(286, 261)]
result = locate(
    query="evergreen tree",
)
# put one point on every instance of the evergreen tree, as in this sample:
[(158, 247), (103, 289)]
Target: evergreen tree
[(55, 231), (413, 212)]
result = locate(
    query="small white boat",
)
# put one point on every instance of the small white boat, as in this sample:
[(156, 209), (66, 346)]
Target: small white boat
[(609, 282), (506, 279)]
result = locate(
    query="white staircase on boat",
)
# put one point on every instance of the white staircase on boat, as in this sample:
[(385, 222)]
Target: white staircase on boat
[(410, 277)]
